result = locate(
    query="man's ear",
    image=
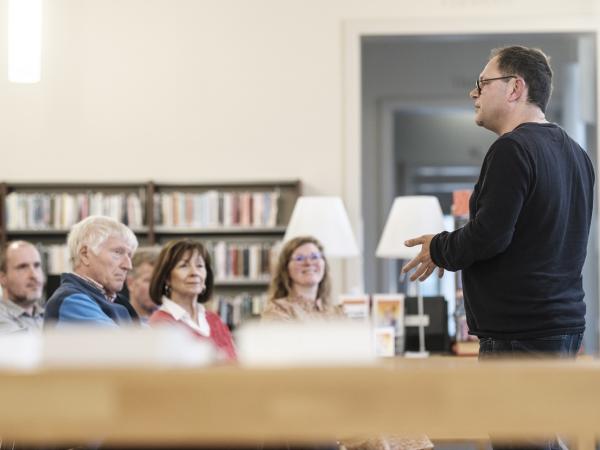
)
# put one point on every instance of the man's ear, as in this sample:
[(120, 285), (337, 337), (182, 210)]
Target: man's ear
[(518, 89), (84, 255), (2, 278)]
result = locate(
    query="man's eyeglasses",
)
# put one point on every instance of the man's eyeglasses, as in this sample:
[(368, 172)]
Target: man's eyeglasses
[(311, 257), (479, 82)]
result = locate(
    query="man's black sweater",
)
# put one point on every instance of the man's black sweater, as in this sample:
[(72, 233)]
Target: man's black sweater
[(523, 249)]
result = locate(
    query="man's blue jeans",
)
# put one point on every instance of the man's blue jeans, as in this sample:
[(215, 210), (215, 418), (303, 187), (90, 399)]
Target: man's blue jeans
[(559, 346)]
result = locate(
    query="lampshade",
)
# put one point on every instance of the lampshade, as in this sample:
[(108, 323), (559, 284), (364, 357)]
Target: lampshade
[(324, 218), (410, 217)]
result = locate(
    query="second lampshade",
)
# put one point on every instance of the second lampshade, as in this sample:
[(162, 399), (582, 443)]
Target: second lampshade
[(410, 217), (324, 218)]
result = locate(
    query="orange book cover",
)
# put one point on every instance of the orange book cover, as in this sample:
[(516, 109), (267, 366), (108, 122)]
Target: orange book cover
[(460, 203)]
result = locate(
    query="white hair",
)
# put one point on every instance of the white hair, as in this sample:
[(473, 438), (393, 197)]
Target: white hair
[(93, 231)]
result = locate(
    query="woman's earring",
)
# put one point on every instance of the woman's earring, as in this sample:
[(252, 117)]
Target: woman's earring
[(167, 290)]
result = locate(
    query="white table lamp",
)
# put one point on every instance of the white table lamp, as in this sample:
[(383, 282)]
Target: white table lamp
[(410, 217), (324, 218)]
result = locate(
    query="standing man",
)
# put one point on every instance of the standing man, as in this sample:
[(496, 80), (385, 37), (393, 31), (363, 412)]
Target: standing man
[(523, 249), (138, 282), (22, 281), (100, 249)]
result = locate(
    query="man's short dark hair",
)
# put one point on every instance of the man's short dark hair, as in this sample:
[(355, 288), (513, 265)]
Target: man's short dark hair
[(533, 66)]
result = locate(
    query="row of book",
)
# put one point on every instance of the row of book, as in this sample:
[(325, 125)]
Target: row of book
[(213, 209), (210, 209), (60, 210), (234, 310), (231, 261)]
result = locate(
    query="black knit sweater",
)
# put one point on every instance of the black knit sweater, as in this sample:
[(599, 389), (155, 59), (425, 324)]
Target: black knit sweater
[(523, 249)]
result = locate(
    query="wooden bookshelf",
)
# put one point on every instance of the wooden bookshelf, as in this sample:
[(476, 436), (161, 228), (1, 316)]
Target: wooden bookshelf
[(43, 213)]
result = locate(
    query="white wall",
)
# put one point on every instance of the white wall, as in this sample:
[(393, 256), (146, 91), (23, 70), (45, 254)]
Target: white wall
[(198, 90)]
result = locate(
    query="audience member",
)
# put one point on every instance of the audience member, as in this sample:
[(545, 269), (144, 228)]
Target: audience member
[(138, 281), (181, 283), (100, 249), (300, 288), (22, 280)]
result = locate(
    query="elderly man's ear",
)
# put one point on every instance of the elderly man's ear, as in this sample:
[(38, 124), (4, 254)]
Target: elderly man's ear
[(84, 253)]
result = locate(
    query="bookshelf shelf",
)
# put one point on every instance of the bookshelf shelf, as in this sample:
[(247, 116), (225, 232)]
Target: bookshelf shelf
[(277, 230), (54, 231), (225, 282)]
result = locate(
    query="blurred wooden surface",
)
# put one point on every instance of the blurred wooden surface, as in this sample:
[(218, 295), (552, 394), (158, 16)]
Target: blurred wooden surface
[(448, 398)]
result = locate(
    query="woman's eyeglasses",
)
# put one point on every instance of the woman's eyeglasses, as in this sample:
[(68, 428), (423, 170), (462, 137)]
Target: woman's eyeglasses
[(311, 257)]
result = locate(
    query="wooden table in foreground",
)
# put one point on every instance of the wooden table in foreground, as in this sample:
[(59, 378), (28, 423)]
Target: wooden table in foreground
[(445, 398)]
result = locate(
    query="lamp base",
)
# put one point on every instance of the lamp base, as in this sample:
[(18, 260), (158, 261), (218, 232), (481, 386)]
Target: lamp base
[(416, 355)]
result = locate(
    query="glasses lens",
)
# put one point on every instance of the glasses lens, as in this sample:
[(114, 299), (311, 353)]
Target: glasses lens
[(315, 256)]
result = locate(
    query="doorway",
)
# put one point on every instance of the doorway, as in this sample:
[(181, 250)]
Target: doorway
[(418, 135)]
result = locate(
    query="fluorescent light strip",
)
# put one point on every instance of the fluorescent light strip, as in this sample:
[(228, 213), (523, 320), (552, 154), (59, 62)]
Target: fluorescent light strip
[(24, 40)]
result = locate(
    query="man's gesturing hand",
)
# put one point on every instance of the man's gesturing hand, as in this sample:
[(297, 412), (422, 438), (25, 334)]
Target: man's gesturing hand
[(422, 263)]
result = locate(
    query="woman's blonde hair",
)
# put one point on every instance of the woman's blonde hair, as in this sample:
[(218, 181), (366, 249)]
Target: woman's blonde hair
[(281, 283)]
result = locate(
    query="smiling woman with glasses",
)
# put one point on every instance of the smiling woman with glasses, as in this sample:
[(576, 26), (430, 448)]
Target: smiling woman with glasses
[(300, 286)]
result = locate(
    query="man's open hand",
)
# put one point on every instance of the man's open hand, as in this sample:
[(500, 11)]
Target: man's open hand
[(422, 263)]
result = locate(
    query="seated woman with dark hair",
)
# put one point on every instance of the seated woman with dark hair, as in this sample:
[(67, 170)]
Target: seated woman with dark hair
[(300, 290), (181, 283)]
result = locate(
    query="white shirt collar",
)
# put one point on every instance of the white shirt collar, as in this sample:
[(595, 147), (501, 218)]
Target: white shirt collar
[(178, 313)]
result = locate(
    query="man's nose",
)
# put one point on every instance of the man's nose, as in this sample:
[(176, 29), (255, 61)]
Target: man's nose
[(127, 262), (474, 93)]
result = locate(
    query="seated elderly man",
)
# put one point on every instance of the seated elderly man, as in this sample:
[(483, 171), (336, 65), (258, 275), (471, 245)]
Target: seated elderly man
[(22, 280), (100, 250)]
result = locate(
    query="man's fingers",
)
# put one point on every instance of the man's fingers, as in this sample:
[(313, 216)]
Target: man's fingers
[(426, 274), (419, 271), (410, 265), (440, 272), (415, 241)]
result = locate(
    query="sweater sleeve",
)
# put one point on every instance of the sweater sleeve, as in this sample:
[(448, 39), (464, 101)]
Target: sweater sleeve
[(504, 184)]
